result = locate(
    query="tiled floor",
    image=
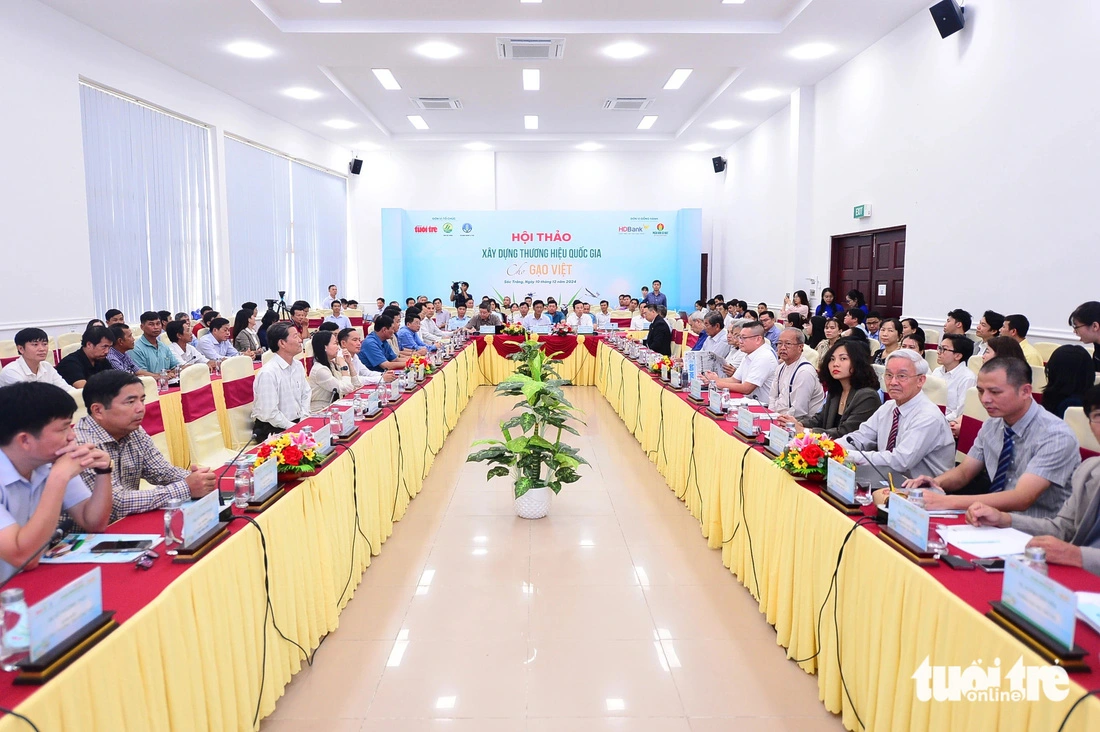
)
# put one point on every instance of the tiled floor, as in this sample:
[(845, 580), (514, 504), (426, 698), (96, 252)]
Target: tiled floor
[(610, 614)]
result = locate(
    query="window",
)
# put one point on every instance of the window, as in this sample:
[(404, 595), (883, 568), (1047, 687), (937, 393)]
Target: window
[(147, 175)]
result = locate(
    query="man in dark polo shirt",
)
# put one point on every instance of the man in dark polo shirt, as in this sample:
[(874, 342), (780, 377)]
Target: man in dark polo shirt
[(89, 359)]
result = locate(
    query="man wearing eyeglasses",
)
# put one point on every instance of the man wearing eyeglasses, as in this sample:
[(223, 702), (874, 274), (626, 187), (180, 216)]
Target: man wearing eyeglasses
[(952, 355), (908, 435), (1073, 536), (1085, 321), (756, 374)]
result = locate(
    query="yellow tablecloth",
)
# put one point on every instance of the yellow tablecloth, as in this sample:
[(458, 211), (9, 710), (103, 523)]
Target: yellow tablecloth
[(781, 542)]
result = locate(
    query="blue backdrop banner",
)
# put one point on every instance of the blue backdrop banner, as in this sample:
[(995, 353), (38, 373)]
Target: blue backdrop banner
[(589, 255)]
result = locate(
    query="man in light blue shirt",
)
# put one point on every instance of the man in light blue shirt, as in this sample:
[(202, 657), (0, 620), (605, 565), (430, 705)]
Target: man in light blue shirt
[(771, 330), (459, 321), (376, 352), (336, 317), (409, 335), (216, 345), (149, 353)]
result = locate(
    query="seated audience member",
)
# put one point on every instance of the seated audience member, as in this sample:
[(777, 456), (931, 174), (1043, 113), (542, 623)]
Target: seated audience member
[(251, 307), (351, 343), (698, 305), (750, 315), (1022, 458), (89, 359), (442, 317), (603, 318), (299, 317), (537, 318), (853, 321), (179, 343), (410, 301), (713, 337), (638, 320), (184, 318), (270, 318), (524, 311), (1070, 373), (40, 467), (329, 295), (216, 344), (1016, 327), (761, 307), (330, 377), (872, 323), (796, 390), (755, 375), (1085, 321), (429, 331), (909, 326), (740, 309), (890, 337), (1003, 346), (730, 316), (484, 318), (281, 392), (908, 435), (118, 356), (116, 406), (579, 318), (243, 332), (408, 337), (530, 302), (624, 302), (556, 316), (696, 321), (829, 307), (342, 321), (165, 317), (95, 323), (376, 353), (957, 323), (379, 305), (771, 330), (149, 353), (855, 300), (33, 363), (1072, 537), (989, 326), (206, 316), (914, 342), (735, 355), (852, 391), (659, 338), (798, 303), (513, 313), (460, 320), (333, 327), (831, 329), (954, 351), (113, 316)]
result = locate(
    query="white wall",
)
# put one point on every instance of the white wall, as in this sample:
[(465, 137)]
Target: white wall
[(42, 196)]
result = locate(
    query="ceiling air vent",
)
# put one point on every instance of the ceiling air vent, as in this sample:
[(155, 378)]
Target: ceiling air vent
[(435, 103), (530, 49), (627, 104)]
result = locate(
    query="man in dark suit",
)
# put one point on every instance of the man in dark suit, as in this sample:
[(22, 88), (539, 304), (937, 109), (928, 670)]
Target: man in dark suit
[(659, 339)]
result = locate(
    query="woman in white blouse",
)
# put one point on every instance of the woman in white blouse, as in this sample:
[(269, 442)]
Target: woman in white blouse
[(245, 339), (330, 377)]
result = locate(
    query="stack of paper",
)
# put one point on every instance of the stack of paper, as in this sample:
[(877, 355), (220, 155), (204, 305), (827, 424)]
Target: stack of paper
[(985, 541), (1088, 609)]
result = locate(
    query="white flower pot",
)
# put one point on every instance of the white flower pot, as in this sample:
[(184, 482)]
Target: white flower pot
[(534, 504)]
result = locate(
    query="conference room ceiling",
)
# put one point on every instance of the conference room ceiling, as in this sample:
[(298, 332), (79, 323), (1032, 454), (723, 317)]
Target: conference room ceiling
[(330, 49)]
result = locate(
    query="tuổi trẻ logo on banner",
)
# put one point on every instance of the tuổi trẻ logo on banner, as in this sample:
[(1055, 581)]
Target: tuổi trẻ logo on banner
[(977, 684)]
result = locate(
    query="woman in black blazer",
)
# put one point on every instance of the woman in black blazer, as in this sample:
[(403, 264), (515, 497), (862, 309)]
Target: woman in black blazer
[(852, 387)]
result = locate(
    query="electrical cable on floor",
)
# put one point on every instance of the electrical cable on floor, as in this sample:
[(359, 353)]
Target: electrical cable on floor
[(400, 463), (17, 715), (1065, 719), (744, 457)]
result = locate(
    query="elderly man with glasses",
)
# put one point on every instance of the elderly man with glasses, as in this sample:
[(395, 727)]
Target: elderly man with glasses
[(796, 390)]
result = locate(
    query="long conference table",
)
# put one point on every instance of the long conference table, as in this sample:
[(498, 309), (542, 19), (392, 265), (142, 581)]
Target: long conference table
[(190, 650)]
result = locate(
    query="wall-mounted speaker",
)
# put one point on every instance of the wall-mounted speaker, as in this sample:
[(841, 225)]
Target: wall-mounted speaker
[(355, 166), (719, 164), (948, 16)]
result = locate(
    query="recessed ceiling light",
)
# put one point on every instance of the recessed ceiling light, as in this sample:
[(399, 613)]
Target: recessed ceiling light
[(386, 79), (763, 94), (811, 51), (249, 49), (417, 121), (624, 50), (647, 122), (531, 79), (530, 121), (438, 50), (339, 124), (478, 146), (724, 124), (679, 76), (590, 146), (699, 147), (301, 92)]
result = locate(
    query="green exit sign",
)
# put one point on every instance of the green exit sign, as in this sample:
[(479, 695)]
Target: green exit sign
[(861, 212)]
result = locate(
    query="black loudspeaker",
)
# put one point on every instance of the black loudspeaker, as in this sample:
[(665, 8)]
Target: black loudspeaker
[(948, 16), (355, 166), (719, 164)]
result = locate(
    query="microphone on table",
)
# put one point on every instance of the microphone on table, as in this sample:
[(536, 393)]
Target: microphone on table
[(54, 537)]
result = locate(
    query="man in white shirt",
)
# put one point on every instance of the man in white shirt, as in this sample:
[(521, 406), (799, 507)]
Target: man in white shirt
[(442, 317), (34, 348), (797, 389), (578, 317), (179, 343), (638, 320), (280, 391), (953, 353), (216, 345), (459, 321), (351, 343), (695, 322), (988, 326), (756, 374), (328, 296), (537, 319), (736, 355), (713, 336), (429, 331), (341, 320), (603, 318), (908, 435)]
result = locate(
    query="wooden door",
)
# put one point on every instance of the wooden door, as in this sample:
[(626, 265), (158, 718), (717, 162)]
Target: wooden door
[(704, 276), (874, 264)]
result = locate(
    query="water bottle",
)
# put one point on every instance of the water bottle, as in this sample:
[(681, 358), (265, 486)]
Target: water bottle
[(727, 403), (712, 386), (916, 497), (162, 382), (15, 639), (307, 430), (1036, 558), (335, 422), (357, 405), (242, 484), (173, 526)]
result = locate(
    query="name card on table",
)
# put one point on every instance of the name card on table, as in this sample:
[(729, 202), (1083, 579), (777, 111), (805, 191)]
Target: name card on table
[(265, 479), (62, 613), (542, 329), (908, 521), (1044, 602), (715, 405), (697, 389), (745, 423), (323, 437), (200, 517), (778, 438), (487, 330), (840, 480), (581, 329), (347, 422)]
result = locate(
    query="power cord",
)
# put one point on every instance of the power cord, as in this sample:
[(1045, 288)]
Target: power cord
[(744, 457), (1065, 719), (17, 715)]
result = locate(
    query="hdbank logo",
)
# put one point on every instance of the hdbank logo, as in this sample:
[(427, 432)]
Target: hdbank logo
[(425, 229), (447, 228), (631, 230), (660, 230), (466, 228)]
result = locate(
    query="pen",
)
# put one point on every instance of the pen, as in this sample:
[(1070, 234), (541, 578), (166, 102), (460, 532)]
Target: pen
[(77, 545), (890, 477)]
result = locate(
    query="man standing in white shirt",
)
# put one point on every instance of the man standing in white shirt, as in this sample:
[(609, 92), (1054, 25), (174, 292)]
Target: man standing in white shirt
[(603, 318), (578, 317), (756, 374), (337, 317), (537, 319), (281, 392), (429, 331), (34, 348), (350, 344), (328, 296), (797, 389), (952, 355)]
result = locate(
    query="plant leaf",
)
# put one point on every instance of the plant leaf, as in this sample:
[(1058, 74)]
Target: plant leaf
[(497, 472)]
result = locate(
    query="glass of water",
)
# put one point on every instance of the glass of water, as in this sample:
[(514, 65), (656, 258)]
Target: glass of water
[(173, 526), (936, 543), (863, 494)]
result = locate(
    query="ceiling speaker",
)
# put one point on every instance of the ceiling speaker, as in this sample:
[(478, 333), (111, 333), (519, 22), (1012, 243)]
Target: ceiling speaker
[(719, 164), (948, 16), (355, 166)]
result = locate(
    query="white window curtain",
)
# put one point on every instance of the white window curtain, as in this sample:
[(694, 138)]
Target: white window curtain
[(149, 211), (287, 226)]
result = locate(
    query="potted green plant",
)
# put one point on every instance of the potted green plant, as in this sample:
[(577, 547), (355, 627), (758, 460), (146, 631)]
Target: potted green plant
[(537, 459)]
